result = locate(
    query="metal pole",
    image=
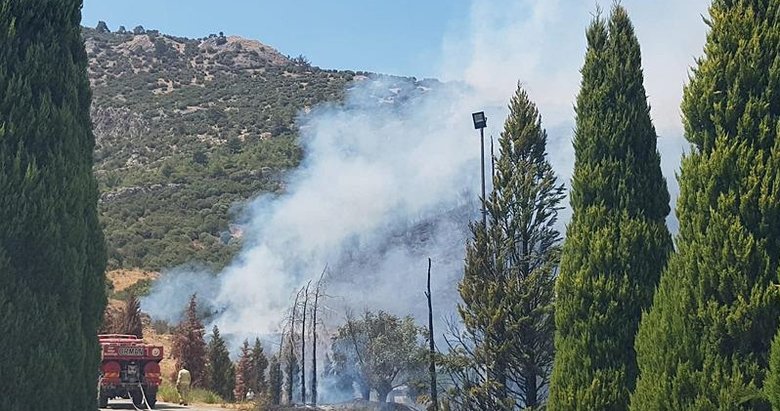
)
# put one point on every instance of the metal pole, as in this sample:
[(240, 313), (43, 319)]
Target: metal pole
[(432, 347), (482, 147), (492, 161)]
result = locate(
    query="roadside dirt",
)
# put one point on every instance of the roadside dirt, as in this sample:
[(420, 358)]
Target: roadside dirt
[(128, 405)]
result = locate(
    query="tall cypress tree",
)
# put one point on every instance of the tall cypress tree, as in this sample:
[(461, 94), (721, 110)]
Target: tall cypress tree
[(259, 366), (507, 288), (221, 371), (275, 380), (705, 343), (52, 256), (617, 242)]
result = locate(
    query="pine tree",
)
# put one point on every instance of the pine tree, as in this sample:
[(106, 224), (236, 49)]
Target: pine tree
[(243, 372), (705, 343), (189, 345), (617, 242), (52, 254), (221, 371), (507, 289), (275, 380), (130, 319), (259, 366)]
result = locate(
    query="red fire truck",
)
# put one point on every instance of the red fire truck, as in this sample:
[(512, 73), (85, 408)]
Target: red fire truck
[(129, 369)]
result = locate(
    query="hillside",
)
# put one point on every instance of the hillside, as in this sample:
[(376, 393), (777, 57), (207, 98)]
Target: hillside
[(188, 128)]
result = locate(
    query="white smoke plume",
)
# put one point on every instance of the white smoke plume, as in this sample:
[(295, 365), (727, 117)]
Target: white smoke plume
[(386, 184)]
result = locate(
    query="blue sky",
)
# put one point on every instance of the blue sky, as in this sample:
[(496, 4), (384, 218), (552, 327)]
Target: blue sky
[(397, 37)]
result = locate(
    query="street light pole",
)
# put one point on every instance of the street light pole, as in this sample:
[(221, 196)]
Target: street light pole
[(480, 122), (482, 156)]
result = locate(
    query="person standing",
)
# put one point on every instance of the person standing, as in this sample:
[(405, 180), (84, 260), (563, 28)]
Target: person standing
[(183, 381)]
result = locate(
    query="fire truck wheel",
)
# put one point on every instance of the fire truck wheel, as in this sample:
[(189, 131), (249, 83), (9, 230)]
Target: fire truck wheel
[(102, 401), (138, 398), (151, 399)]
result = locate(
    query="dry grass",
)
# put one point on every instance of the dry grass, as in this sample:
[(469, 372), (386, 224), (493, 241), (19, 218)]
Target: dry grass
[(122, 279), (168, 364)]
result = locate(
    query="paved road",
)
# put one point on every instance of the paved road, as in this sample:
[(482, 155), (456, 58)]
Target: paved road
[(128, 405)]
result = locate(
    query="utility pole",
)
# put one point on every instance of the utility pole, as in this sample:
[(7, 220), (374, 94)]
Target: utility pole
[(432, 363), (482, 157), (492, 161)]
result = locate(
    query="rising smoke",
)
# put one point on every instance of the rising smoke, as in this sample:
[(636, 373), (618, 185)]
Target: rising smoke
[(388, 180), (390, 176)]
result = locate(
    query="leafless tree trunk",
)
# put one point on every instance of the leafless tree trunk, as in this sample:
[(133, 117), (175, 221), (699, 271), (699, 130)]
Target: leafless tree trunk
[(317, 292), (365, 388), (303, 342), (432, 353), (291, 357)]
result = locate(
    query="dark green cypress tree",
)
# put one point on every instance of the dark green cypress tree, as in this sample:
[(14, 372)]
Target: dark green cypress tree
[(617, 242), (705, 343), (507, 288), (221, 371), (52, 256), (275, 380), (259, 366)]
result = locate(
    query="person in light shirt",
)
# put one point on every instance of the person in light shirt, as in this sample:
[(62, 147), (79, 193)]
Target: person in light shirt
[(183, 381)]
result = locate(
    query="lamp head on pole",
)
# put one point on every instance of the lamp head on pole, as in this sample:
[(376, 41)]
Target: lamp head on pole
[(480, 121)]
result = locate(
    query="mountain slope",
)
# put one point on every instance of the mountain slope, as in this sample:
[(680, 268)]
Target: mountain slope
[(186, 129)]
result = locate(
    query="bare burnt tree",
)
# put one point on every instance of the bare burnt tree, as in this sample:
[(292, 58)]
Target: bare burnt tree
[(317, 294), (365, 388), (291, 359), (305, 292)]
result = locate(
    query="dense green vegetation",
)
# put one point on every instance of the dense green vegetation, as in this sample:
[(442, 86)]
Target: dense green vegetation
[(705, 343), (52, 256), (617, 242), (507, 289), (186, 130)]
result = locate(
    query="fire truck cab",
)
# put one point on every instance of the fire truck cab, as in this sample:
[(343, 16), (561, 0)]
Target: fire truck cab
[(129, 368)]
